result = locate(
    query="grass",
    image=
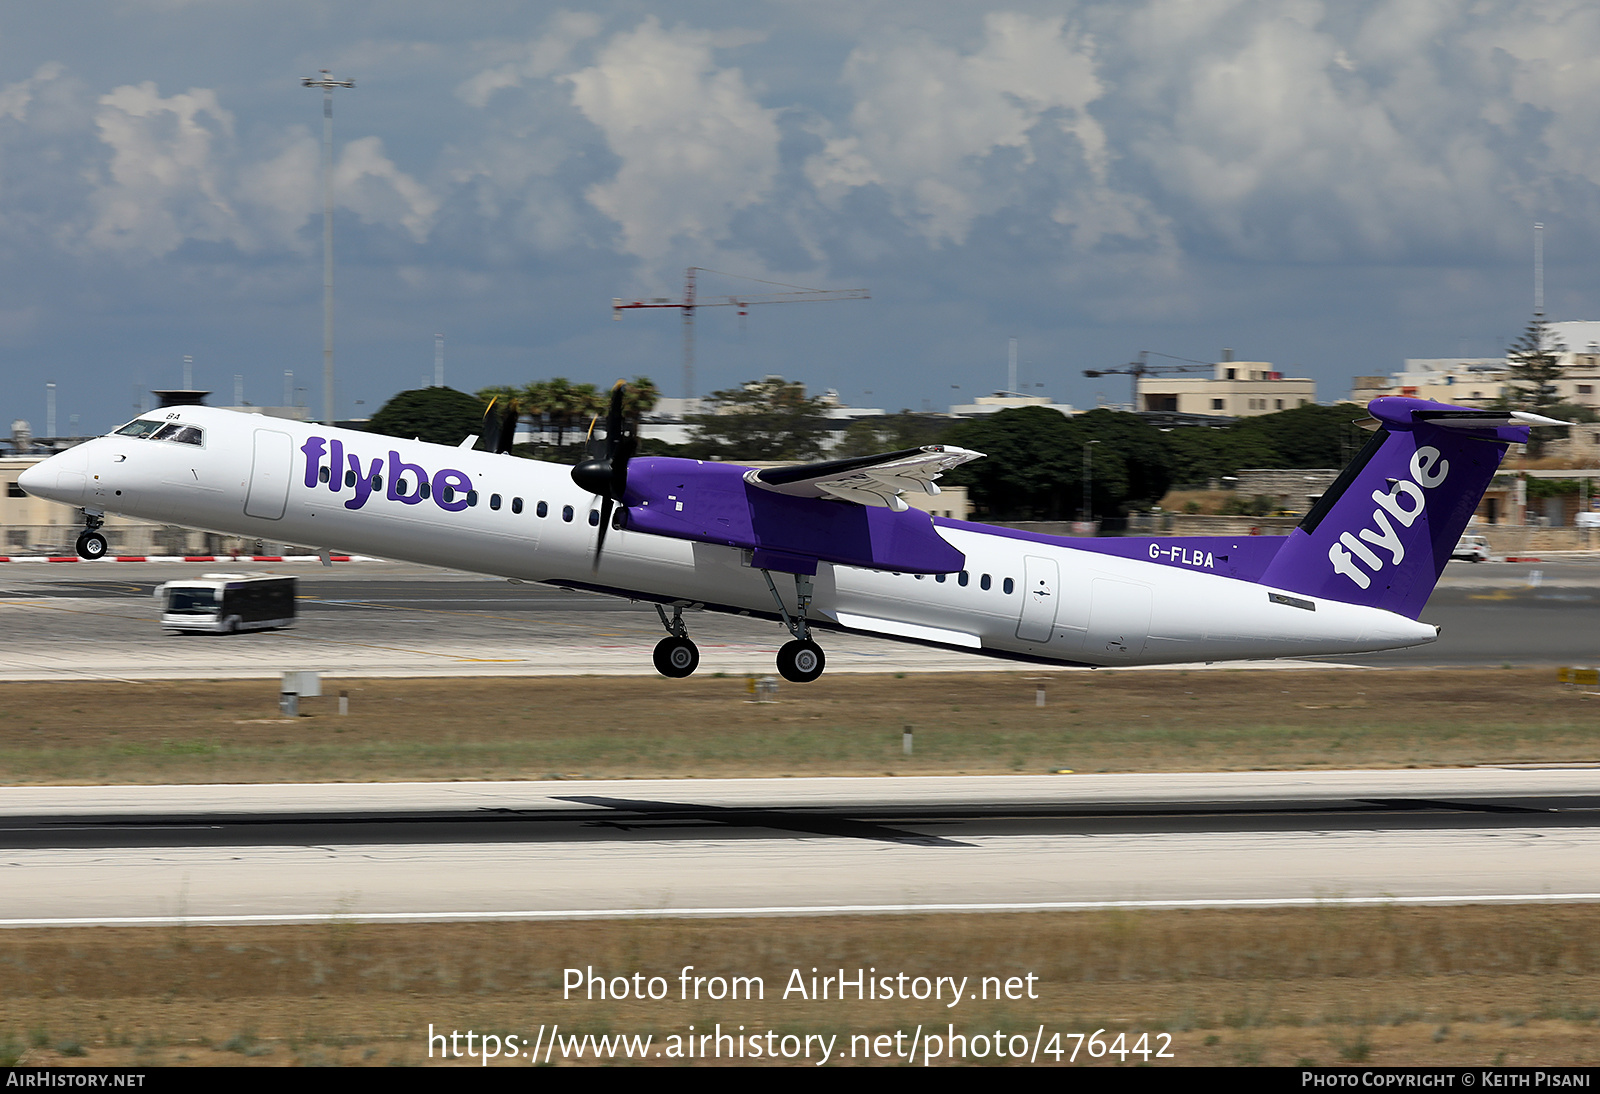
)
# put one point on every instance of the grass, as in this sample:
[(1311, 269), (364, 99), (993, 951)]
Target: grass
[(620, 727), (1384, 986)]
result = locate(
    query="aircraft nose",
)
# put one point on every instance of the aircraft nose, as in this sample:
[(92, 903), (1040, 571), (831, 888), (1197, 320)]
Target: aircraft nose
[(33, 479), (57, 479)]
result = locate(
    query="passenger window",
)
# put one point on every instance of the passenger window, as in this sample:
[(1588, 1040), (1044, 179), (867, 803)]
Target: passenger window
[(494, 501), (516, 505), (349, 478), (594, 518), (1008, 586), (377, 482), (449, 493), (962, 580), (323, 474), (939, 578), (984, 583), (566, 513), (424, 489), (542, 510), (472, 497), (401, 486)]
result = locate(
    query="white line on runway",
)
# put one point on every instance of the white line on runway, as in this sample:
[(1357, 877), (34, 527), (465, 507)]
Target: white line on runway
[(796, 910)]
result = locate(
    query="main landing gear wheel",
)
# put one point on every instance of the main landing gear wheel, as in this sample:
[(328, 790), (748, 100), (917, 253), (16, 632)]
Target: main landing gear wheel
[(801, 661), (92, 545), (676, 657)]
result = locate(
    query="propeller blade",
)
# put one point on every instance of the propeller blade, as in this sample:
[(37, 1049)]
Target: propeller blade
[(605, 471), (600, 541)]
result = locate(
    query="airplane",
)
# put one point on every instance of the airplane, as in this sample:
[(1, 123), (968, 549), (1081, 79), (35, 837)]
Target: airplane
[(822, 546)]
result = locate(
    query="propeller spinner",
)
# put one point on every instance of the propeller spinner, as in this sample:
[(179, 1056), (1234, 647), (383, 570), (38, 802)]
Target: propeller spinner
[(604, 471)]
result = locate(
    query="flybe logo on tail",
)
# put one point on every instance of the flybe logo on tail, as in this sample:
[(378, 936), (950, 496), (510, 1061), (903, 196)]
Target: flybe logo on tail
[(1398, 508), (407, 483)]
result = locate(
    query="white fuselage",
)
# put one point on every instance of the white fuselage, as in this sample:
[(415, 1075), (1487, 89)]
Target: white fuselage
[(1020, 598)]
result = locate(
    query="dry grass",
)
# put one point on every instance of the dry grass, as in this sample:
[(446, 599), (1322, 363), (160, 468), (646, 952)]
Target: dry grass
[(622, 727), (1462, 986)]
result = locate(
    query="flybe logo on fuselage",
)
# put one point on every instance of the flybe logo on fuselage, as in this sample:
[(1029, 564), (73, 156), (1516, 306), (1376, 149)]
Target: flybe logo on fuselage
[(1404, 502), (407, 483)]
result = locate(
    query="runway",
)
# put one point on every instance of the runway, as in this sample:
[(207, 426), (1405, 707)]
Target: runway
[(97, 620), (232, 854)]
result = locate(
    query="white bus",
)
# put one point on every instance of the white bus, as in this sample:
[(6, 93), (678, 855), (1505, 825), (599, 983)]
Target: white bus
[(227, 603)]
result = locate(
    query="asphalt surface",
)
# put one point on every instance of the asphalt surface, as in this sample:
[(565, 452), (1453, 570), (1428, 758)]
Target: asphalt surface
[(98, 620), (80, 855)]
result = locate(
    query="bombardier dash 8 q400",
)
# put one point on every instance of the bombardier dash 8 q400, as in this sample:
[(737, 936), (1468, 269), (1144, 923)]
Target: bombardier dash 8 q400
[(829, 545)]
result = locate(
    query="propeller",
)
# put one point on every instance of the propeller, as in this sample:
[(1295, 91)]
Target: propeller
[(499, 426), (604, 470)]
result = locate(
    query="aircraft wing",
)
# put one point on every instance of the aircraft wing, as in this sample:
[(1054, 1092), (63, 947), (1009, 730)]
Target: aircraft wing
[(866, 480)]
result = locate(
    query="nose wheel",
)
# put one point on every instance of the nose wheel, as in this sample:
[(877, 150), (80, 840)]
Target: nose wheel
[(92, 546)]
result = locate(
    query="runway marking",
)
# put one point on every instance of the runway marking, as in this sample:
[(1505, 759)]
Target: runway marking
[(792, 910)]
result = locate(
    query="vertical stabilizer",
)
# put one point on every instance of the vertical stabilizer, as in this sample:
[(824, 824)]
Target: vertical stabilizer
[(1383, 533)]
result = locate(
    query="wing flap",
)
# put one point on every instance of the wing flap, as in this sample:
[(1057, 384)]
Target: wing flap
[(867, 480)]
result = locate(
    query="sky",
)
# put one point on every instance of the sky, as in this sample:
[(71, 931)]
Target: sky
[(1332, 187)]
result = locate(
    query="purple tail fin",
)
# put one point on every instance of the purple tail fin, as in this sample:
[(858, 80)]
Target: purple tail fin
[(1383, 532)]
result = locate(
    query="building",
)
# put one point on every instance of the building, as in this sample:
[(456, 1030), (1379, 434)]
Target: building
[(1237, 389), (1465, 381), (984, 405)]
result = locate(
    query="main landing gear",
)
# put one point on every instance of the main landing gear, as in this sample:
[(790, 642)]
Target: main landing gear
[(802, 660), (675, 656), (91, 544)]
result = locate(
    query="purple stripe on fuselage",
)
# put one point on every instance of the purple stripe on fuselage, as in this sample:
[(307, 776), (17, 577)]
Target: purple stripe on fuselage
[(1242, 557)]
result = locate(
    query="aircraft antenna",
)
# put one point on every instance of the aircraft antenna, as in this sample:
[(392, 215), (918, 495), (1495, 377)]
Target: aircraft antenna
[(796, 294)]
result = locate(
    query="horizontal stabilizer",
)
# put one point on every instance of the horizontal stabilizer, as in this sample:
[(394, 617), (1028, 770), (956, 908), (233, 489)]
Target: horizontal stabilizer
[(1484, 419), (866, 480)]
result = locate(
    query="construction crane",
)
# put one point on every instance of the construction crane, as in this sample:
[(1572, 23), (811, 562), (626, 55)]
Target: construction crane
[(796, 294), (1142, 367)]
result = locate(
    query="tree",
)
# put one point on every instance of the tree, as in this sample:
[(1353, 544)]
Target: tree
[(441, 415), (770, 419), (1035, 456), (893, 432), (1534, 365)]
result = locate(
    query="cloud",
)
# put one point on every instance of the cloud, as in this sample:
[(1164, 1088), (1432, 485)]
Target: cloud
[(164, 184), (177, 173), (694, 145), (16, 98), (949, 135), (538, 59), (367, 182)]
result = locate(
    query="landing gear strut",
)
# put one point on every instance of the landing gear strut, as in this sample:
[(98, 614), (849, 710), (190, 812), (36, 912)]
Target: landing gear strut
[(675, 656), (91, 544), (802, 660)]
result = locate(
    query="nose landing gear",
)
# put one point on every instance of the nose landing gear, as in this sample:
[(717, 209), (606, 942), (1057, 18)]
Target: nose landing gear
[(91, 544)]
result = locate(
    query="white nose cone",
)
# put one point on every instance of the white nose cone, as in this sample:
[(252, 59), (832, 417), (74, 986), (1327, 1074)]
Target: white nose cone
[(49, 479), (32, 479)]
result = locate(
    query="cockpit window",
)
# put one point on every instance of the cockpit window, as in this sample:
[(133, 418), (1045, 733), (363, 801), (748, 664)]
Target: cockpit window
[(179, 433), (139, 427)]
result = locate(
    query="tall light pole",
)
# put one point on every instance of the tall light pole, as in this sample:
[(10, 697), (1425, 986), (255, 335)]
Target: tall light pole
[(1088, 464), (327, 83)]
